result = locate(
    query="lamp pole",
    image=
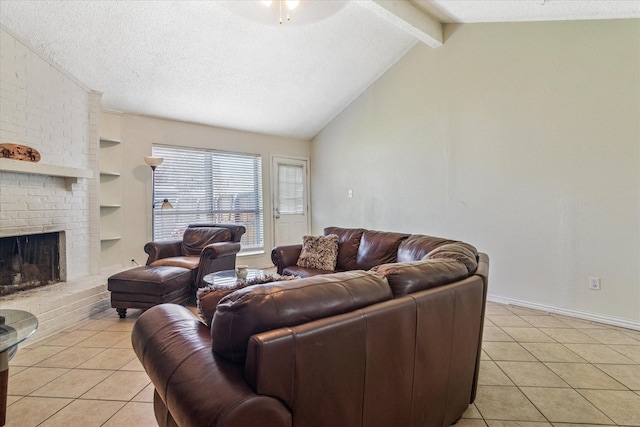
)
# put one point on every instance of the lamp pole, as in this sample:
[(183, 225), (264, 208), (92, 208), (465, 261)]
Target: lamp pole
[(154, 162)]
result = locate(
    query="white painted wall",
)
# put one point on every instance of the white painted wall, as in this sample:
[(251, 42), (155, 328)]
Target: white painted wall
[(522, 139), (139, 133)]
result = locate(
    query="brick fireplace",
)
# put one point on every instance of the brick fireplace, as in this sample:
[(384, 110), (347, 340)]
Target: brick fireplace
[(46, 108)]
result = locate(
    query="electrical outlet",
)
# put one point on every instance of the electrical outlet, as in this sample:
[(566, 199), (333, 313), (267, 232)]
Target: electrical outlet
[(594, 283)]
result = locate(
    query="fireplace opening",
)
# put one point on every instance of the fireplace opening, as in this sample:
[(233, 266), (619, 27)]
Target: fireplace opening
[(29, 261)]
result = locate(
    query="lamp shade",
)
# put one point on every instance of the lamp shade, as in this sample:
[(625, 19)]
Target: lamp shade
[(153, 161), (166, 204)]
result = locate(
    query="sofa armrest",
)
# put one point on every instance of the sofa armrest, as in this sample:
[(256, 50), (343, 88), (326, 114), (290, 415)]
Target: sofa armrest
[(483, 272), (284, 256), (217, 257), (197, 387), (218, 250), (483, 267), (163, 249)]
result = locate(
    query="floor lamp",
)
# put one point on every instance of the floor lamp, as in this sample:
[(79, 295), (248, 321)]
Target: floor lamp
[(154, 162)]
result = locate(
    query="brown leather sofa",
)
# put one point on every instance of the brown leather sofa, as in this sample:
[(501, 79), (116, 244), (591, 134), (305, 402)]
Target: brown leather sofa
[(361, 249), (204, 249), (395, 346)]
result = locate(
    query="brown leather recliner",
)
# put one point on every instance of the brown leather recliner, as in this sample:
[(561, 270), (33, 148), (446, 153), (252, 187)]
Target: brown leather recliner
[(204, 249)]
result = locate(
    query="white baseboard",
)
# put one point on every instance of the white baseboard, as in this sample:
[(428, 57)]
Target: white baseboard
[(594, 317)]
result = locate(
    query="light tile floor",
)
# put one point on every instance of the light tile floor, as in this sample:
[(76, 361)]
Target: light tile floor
[(87, 375), (538, 369)]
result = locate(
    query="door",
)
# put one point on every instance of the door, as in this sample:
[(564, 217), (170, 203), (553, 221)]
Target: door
[(290, 200)]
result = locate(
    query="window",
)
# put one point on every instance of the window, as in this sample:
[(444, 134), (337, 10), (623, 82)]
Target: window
[(206, 186), (290, 189)]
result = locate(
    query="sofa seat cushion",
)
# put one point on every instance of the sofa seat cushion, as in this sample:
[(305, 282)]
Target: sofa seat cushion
[(195, 238), (296, 270), (261, 308), (409, 277), (190, 262), (378, 247), (460, 251)]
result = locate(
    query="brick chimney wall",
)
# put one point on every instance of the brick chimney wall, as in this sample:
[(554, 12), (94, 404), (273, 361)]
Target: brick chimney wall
[(44, 107), (41, 106)]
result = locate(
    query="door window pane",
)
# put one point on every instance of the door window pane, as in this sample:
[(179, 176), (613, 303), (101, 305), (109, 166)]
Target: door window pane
[(290, 189)]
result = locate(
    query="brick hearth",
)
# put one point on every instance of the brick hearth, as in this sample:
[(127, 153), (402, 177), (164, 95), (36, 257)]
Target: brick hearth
[(61, 305)]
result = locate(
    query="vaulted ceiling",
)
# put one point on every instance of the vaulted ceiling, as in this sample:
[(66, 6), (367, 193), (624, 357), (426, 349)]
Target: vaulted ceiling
[(231, 64)]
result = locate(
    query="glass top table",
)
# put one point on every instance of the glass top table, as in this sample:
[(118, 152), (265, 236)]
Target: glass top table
[(227, 279), (15, 327)]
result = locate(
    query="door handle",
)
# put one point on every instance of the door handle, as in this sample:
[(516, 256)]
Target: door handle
[(277, 213)]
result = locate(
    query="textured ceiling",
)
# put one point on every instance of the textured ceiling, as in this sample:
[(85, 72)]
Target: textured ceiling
[(230, 64)]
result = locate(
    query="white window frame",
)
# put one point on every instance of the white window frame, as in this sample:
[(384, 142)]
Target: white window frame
[(208, 186)]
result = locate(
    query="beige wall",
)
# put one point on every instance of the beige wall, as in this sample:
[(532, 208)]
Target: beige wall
[(522, 139), (138, 133)]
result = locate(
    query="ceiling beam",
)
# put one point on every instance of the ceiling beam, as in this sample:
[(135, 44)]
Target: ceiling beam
[(409, 18)]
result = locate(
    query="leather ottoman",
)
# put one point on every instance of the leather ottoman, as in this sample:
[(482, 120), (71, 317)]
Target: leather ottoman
[(146, 286)]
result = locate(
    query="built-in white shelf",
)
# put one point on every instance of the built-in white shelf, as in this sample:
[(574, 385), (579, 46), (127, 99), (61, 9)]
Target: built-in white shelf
[(111, 190), (110, 166)]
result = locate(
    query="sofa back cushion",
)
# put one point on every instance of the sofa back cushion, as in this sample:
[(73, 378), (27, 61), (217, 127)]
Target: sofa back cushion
[(409, 277), (460, 251), (348, 244), (261, 308), (195, 238), (417, 246), (378, 247)]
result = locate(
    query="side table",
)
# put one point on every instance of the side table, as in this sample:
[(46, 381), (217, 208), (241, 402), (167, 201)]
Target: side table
[(15, 327), (227, 279), (220, 284)]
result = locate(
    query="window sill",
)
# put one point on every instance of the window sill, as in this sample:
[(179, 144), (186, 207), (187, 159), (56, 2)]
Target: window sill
[(251, 253)]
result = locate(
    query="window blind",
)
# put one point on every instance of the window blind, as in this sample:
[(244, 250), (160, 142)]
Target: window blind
[(207, 186), (290, 190)]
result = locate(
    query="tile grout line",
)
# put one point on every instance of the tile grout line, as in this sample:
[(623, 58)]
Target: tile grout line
[(539, 360)]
